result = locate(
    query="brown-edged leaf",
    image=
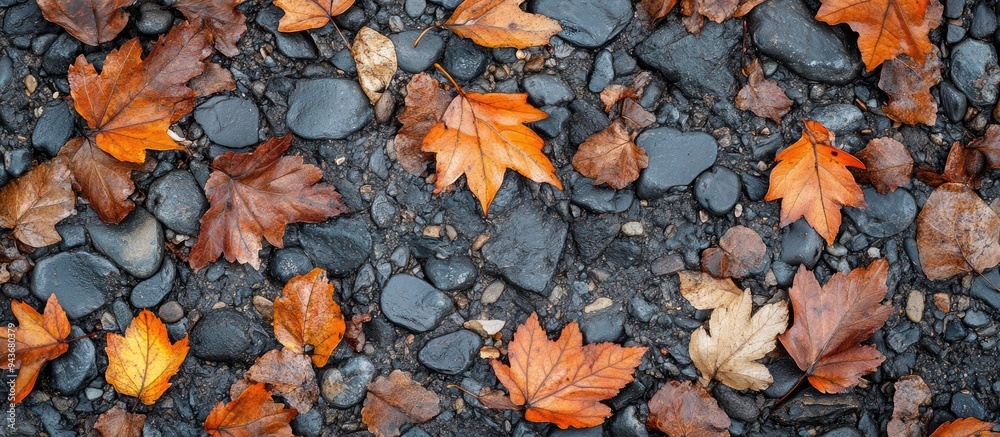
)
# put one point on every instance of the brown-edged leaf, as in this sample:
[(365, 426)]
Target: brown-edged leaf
[(763, 96), (908, 84), (425, 104), (104, 181), (375, 57), (39, 338), (252, 413), (957, 233), (706, 292), (966, 427), (658, 8), (888, 164), (354, 334), (396, 401), (92, 22), (214, 79), (964, 166), (141, 363), (32, 204), (306, 315), (911, 393), (989, 145), (309, 14), (741, 252), (683, 409), (222, 20), (615, 93), (118, 423), (290, 374), (501, 23), (886, 28), (611, 157)]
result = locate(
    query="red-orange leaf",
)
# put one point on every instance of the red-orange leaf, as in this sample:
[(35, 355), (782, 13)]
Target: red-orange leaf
[(104, 181), (309, 14), (32, 204), (964, 165), (887, 164), (306, 314), (425, 104), (395, 401), (658, 8), (683, 409), (501, 23), (39, 338), (763, 96), (886, 28), (966, 427), (611, 157), (225, 23), (252, 413), (91, 21), (117, 423)]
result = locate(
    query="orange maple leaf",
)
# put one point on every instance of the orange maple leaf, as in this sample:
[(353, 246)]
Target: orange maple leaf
[(886, 28), (309, 14), (501, 23), (966, 427), (251, 413), (130, 105), (93, 22), (141, 363), (563, 381), (306, 314), (39, 339), (813, 181)]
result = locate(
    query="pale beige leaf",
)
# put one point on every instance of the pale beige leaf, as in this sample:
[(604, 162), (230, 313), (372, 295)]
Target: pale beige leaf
[(706, 292), (375, 57)]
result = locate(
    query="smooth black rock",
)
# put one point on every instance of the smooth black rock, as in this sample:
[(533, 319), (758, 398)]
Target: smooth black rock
[(842, 432), (974, 70), (288, 263), (953, 102), (736, 405), (810, 407), (626, 423), (982, 288), (604, 325), (966, 405), (463, 59), (717, 190), (54, 128), (229, 121), (785, 373), (410, 302), (150, 293), (136, 244), (984, 21), (601, 199), (71, 371), (954, 34), (17, 161), (596, 431), (675, 159), (221, 335), (526, 244), (954, 8), (416, 59), (787, 31), (153, 19), (586, 120), (886, 214), (698, 64), (345, 386), (25, 19), (801, 245), (328, 109), (81, 281), (839, 118), (603, 72), (415, 8), (309, 424), (452, 353), (555, 123), (955, 331), (296, 45), (177, 201), (547, 89), (60, 54), (339, 245), (455, 273), (6, 71), (594, 232), (587, 23)]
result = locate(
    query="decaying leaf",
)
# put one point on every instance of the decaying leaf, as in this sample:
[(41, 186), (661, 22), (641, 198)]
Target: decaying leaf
[(252, 413), (695, 11), (741, 252), (563, 382), (763, 96), (290, 374), (728, 351), (395, 401), (888, 164), (354, 334), (706, 292), (495, 399), (425, 104), (222, 20), (141, 363), (615, 93), (957, 233), (964, 165), (104, 181), (375, 57), (886, 28), (683, 409), (118, 423), (214, 79), (93, 22), (908, 84), (32, 204), (658, 9), (309, 14), (831, 322), (306, 314), (611, 157), (911, 393), (501, 23), (256, 194), (966, 427), (813, 181), (989, 145), (39, 338)]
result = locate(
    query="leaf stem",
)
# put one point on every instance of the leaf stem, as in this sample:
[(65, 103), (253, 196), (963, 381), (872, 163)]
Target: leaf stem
[(792, 390), (421, 36), (451, 79), (343, 38), (90, 335)]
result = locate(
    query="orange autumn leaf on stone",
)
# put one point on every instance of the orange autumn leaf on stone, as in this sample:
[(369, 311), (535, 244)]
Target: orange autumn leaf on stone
[(104, 181), (92, 22), (611, 157), (966, 427), (306, 314), (224, 22), (686, 409), (32, 204), (257, 194), (396, 401), (563, 382), (501, 23), (658, 8), (813, 181), (763, 96), (118, 423), (252, 413), (39, 338), (832, 321), (133, 101), (886, 28), (141, 363), (309, 14)]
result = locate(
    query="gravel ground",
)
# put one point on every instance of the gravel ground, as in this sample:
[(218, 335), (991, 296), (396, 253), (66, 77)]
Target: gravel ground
[(423, 264)]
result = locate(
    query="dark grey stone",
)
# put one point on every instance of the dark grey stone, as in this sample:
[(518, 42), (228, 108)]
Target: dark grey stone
[(455, 273), (81, 281), (54, 128), (150, 293), (345, 386), (221, 335), (810, 407), (603, 72), (414, 304), (296, 45), (153, 19), (839, 118), (698, 64), (966, 405), (415, 8), (675, 159), (587, 23), (60, 54), (586, 120), (604, 325), (626, 423), (451, 353), (953, 102), (886, 214), (984, 21), (25, 19), (555, 123), (328, 109), (954, 33), (71, 371), (547, 89), (801, 245), (736, 405), (339, 245), (974, 70), (416, 59), (525, 247), (177, 201), (600, 200), (982, 288), (18, 161), (717, 190), (229, 121), (136, 244), (463, 59), (288, 263)]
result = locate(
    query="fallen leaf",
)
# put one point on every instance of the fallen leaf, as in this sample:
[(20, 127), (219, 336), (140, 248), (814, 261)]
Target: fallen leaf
[(290, 374), (224, 22), (615, 93), (763, 96), (354, 334), (911, 393), (425, 103), (495, 399), (252, 413), (964, 166), (611, 157), (908, 84), (130, 105), (957, 233), (395, 401), (831, 322), (141, 363), (32, 204), (658, 9), (306, 314), (728, 351), (563, 382), (214, 79), (104, 181), (483, 135), (375, 57), (966, 427), (501, 23), (886, 28), (741, 252), (309, 14), (695, 11), (93, 22), (683, 409), (813, 181), (118, 423), (887, 164), (256, 194), (39, 338), (706, 292), (989, 145)]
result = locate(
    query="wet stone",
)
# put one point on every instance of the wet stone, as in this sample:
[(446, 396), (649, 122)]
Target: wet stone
[(736, 405), (983, 290), (24, 19), (17, 161), (414, 304), (596, 431), (296, 45), (54, 128), (600, 200), (955, 331), (80, 280), (60, 54), (555, 123), (586, 120), (902, 336), (150, 293), (455, 273), (604, 325), (587, 23), (328, 109), (603, 72), (345, 386), (6, 71), (136, 244), (415, 8), (840, 118), (171, 312), (154, 20), (177, 201), (954, 33), (288, 263), (843, 432), (984, 21), (626, 423), (221, 335), (340, 245), (698, 64), (123, 314), (675, 159), (525, 247), (547, 89), (229, 121), (976, 319), (953, 102), (812, 408), (966, 405), (801, 245), (974, 70), (953, 8), (71, 371), (452, 353), (886, 214), (717, 190), (416, 59), (463, 59)]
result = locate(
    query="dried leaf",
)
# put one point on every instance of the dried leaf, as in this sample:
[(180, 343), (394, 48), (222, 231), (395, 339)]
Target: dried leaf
[(831, 322), (309, 14), (252, 413), (887, 164), (886, 28), (611, 157), (32, 204), (908, 84), (306, 314), (92, 22), (118, 423), (39, 338), (395, 401), (706, 292), (256, 194), (355, 332), (615, 93), (495, 399), (425, 104), (375, 57), (141, 363), (728, 351), (214, 79), (957, 233), (222, 20), (989, 145), (683, 409), (563, 381), (501, 23), (911, 393), (658, 9), (966, 427), (741, 252), (813, 180), (290, 374), (763, 96), (104, 181), (964, 166)]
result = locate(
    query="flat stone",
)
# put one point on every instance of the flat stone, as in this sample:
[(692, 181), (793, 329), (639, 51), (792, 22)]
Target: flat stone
[(136, 244), (886, 214), (800, 244), (811, 408), (600, 200), (463, 59), (451, 354), (71, 371), (221, 335), (699, 64), (717, 190), (974, 70), (345, 386), (604, 325), (289, 262), (839, 118), (414, 304), (150, 293), (83, 282), (153, 19), (54, 128), (455, 273), (675, 159), (525, 247), (229, 121), (547, 89), (416, 59), (555, 123), (177, 201), (328, 109), (587, 23), (603, 72), (295, 45), (339, 245)]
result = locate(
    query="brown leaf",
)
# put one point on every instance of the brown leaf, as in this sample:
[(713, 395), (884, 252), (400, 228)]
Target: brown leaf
[(309, 14), (495, 399), (253, 413), (141, 363), (706, 292), (886, 28), (611, 157), (717, 10), (425, 104), (658, 8), (355, 332), (887, 164), (32, 204), (966, 427), (831, 322), (501, 23), (908, 84), (256, 194), (92, 22), (39, 338), (636, 115), (214, 79), (683, 409), (964, 166), (375, 57), (989, 145), (117, 423), (741, 252), (292, 376), (957, 233), (615, 93), (763, 96), (306, 314), (223, 21), (104, 181), (395, 401), (911, 393)]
